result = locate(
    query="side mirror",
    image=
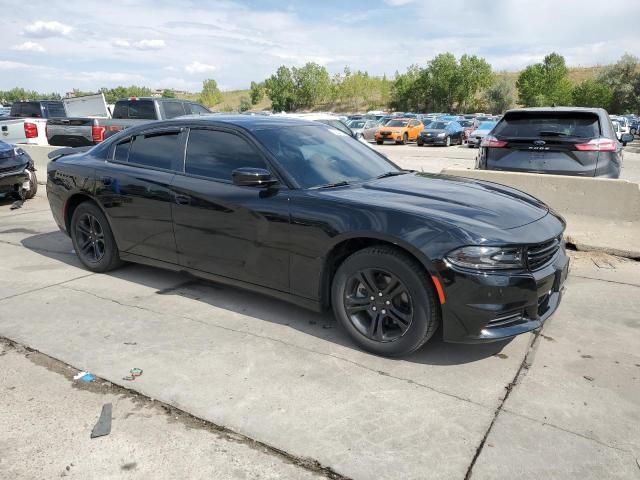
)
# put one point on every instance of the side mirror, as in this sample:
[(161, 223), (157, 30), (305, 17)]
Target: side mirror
[(626, 138), (252, 177)]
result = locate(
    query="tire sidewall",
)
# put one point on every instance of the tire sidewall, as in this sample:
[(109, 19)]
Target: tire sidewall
[(111, 252), (420, 298)]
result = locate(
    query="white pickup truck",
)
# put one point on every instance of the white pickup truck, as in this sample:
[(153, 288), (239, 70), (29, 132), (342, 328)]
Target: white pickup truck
[(27, 121)]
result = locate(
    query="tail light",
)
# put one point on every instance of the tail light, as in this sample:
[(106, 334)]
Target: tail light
[(97, 133), (598, 145), (493, 142), (30, 130)]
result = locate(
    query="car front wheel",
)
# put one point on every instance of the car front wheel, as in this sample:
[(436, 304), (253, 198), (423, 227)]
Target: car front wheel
[(385, 301), (92, 239)]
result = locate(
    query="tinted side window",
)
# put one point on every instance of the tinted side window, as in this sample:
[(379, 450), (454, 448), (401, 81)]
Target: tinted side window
[(121, 152), (197, 109), (140, 109), (155, 149), (54, 110), (216, 154), (173, 109), (29, 109)]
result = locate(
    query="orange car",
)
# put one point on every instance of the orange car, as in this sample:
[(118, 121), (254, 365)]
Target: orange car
[(399, 130)]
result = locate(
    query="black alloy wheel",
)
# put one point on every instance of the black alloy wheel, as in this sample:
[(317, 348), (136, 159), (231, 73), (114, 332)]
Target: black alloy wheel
[(90, 237), (378, 304)]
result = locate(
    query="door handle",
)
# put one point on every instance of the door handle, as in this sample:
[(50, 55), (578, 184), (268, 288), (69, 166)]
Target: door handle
[(182, 199)]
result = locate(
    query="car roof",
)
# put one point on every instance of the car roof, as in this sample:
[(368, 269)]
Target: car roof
[(248, 122), (598, 111)]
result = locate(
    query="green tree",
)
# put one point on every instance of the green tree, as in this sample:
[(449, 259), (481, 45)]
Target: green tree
[(500, 96), (312, 85), (442, 81), (592, 93), (405, 92), (545, 83), (280, 88), (168, 94), (474, 76), (245, 104), (623, 78), (256, 92), (210, 94)]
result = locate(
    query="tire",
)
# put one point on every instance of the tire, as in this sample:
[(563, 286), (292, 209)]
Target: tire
[(405, 139), (379, 142), (93, 240), (448, 142), (413, 316), (419, 143), (33, 186)]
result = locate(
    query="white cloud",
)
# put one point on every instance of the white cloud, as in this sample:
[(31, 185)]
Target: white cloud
[(29, 47), (105, 77), (149, 44), (197, 67), (48, 29), (8, 65), (398, 3), (145, 44)]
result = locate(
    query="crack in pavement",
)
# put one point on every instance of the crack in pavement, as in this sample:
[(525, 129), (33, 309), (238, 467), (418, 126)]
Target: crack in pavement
[(557, 427), (608, 281), (278, 340), (306, 463), (59, 284), (524, 366)]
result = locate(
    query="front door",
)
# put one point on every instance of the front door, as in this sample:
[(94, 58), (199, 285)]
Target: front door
[(225, 229)]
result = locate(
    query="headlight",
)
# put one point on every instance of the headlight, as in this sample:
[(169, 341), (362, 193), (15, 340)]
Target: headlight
[(440, 135), (17, 151), (487, 258)]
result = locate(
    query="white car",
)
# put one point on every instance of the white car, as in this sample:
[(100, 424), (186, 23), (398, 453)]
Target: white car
[(623, 121)]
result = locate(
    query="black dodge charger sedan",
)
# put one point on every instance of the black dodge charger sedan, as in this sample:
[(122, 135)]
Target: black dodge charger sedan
[(303, 212)]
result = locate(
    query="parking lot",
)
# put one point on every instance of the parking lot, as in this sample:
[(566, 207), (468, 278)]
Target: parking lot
[(237, 385)]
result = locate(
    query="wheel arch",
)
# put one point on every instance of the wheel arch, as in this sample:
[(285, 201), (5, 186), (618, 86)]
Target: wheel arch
[(73, 202), (345, 246)]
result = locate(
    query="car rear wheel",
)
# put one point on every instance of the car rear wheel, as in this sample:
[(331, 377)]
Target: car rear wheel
[(93, 240), (385, 301)]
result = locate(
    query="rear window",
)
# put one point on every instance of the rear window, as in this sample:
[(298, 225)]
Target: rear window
[(26, 109), (542, 124), (135, 109)]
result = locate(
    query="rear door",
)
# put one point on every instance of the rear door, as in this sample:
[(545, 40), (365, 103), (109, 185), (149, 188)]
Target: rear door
[(544, 142), (134, 189)]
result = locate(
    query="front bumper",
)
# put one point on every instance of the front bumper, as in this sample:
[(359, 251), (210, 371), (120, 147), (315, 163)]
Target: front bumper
[(11, 181), (432, 140), (485, 307)]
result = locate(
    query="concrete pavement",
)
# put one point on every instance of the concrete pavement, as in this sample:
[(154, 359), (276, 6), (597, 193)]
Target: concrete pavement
[(293, 381)]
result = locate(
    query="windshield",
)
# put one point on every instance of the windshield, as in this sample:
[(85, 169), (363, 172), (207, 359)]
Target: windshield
[(317, 156), (486, 125), (466, 123), (397, 123), (438, 125), (356, 124)]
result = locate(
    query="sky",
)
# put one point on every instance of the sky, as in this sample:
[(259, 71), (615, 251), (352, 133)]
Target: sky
[(55, 46)]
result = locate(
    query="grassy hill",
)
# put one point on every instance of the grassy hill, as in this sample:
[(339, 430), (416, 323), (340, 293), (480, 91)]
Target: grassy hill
[(231, 98)]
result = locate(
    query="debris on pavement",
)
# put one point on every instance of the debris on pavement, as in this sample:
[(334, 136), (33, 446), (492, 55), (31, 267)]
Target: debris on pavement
[(17, 204), (587, 377), (103, 427), (84, 376), (133, 373)]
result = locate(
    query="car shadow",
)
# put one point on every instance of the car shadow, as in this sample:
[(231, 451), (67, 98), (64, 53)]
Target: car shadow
[(57, 245)]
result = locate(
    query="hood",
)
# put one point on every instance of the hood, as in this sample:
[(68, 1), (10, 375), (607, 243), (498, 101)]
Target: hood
[(434, 131), (455, 200), (8, 158), (481, 132)]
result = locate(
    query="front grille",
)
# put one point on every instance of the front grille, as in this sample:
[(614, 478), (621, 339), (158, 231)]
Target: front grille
[(506, 320), (541, 254), (12, 169)]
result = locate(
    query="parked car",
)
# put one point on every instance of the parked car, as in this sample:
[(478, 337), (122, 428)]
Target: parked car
[(399, 131), (478, 133), (625, 125), (5, 111), (17, 173), (369, 130), (634, 126), (357, 125), (467, 128), (288, 208), (27, 121), (556, 140), (441, 133), (89, 130)]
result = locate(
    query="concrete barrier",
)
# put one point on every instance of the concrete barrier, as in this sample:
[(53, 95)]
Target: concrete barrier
[(39, 155), (601, 213)]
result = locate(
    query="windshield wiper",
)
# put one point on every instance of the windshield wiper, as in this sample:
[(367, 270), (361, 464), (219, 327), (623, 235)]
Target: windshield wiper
[(393, 173), (549, 133), (341, 183)]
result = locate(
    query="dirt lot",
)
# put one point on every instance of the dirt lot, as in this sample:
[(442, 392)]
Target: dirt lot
[(237, 385)]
